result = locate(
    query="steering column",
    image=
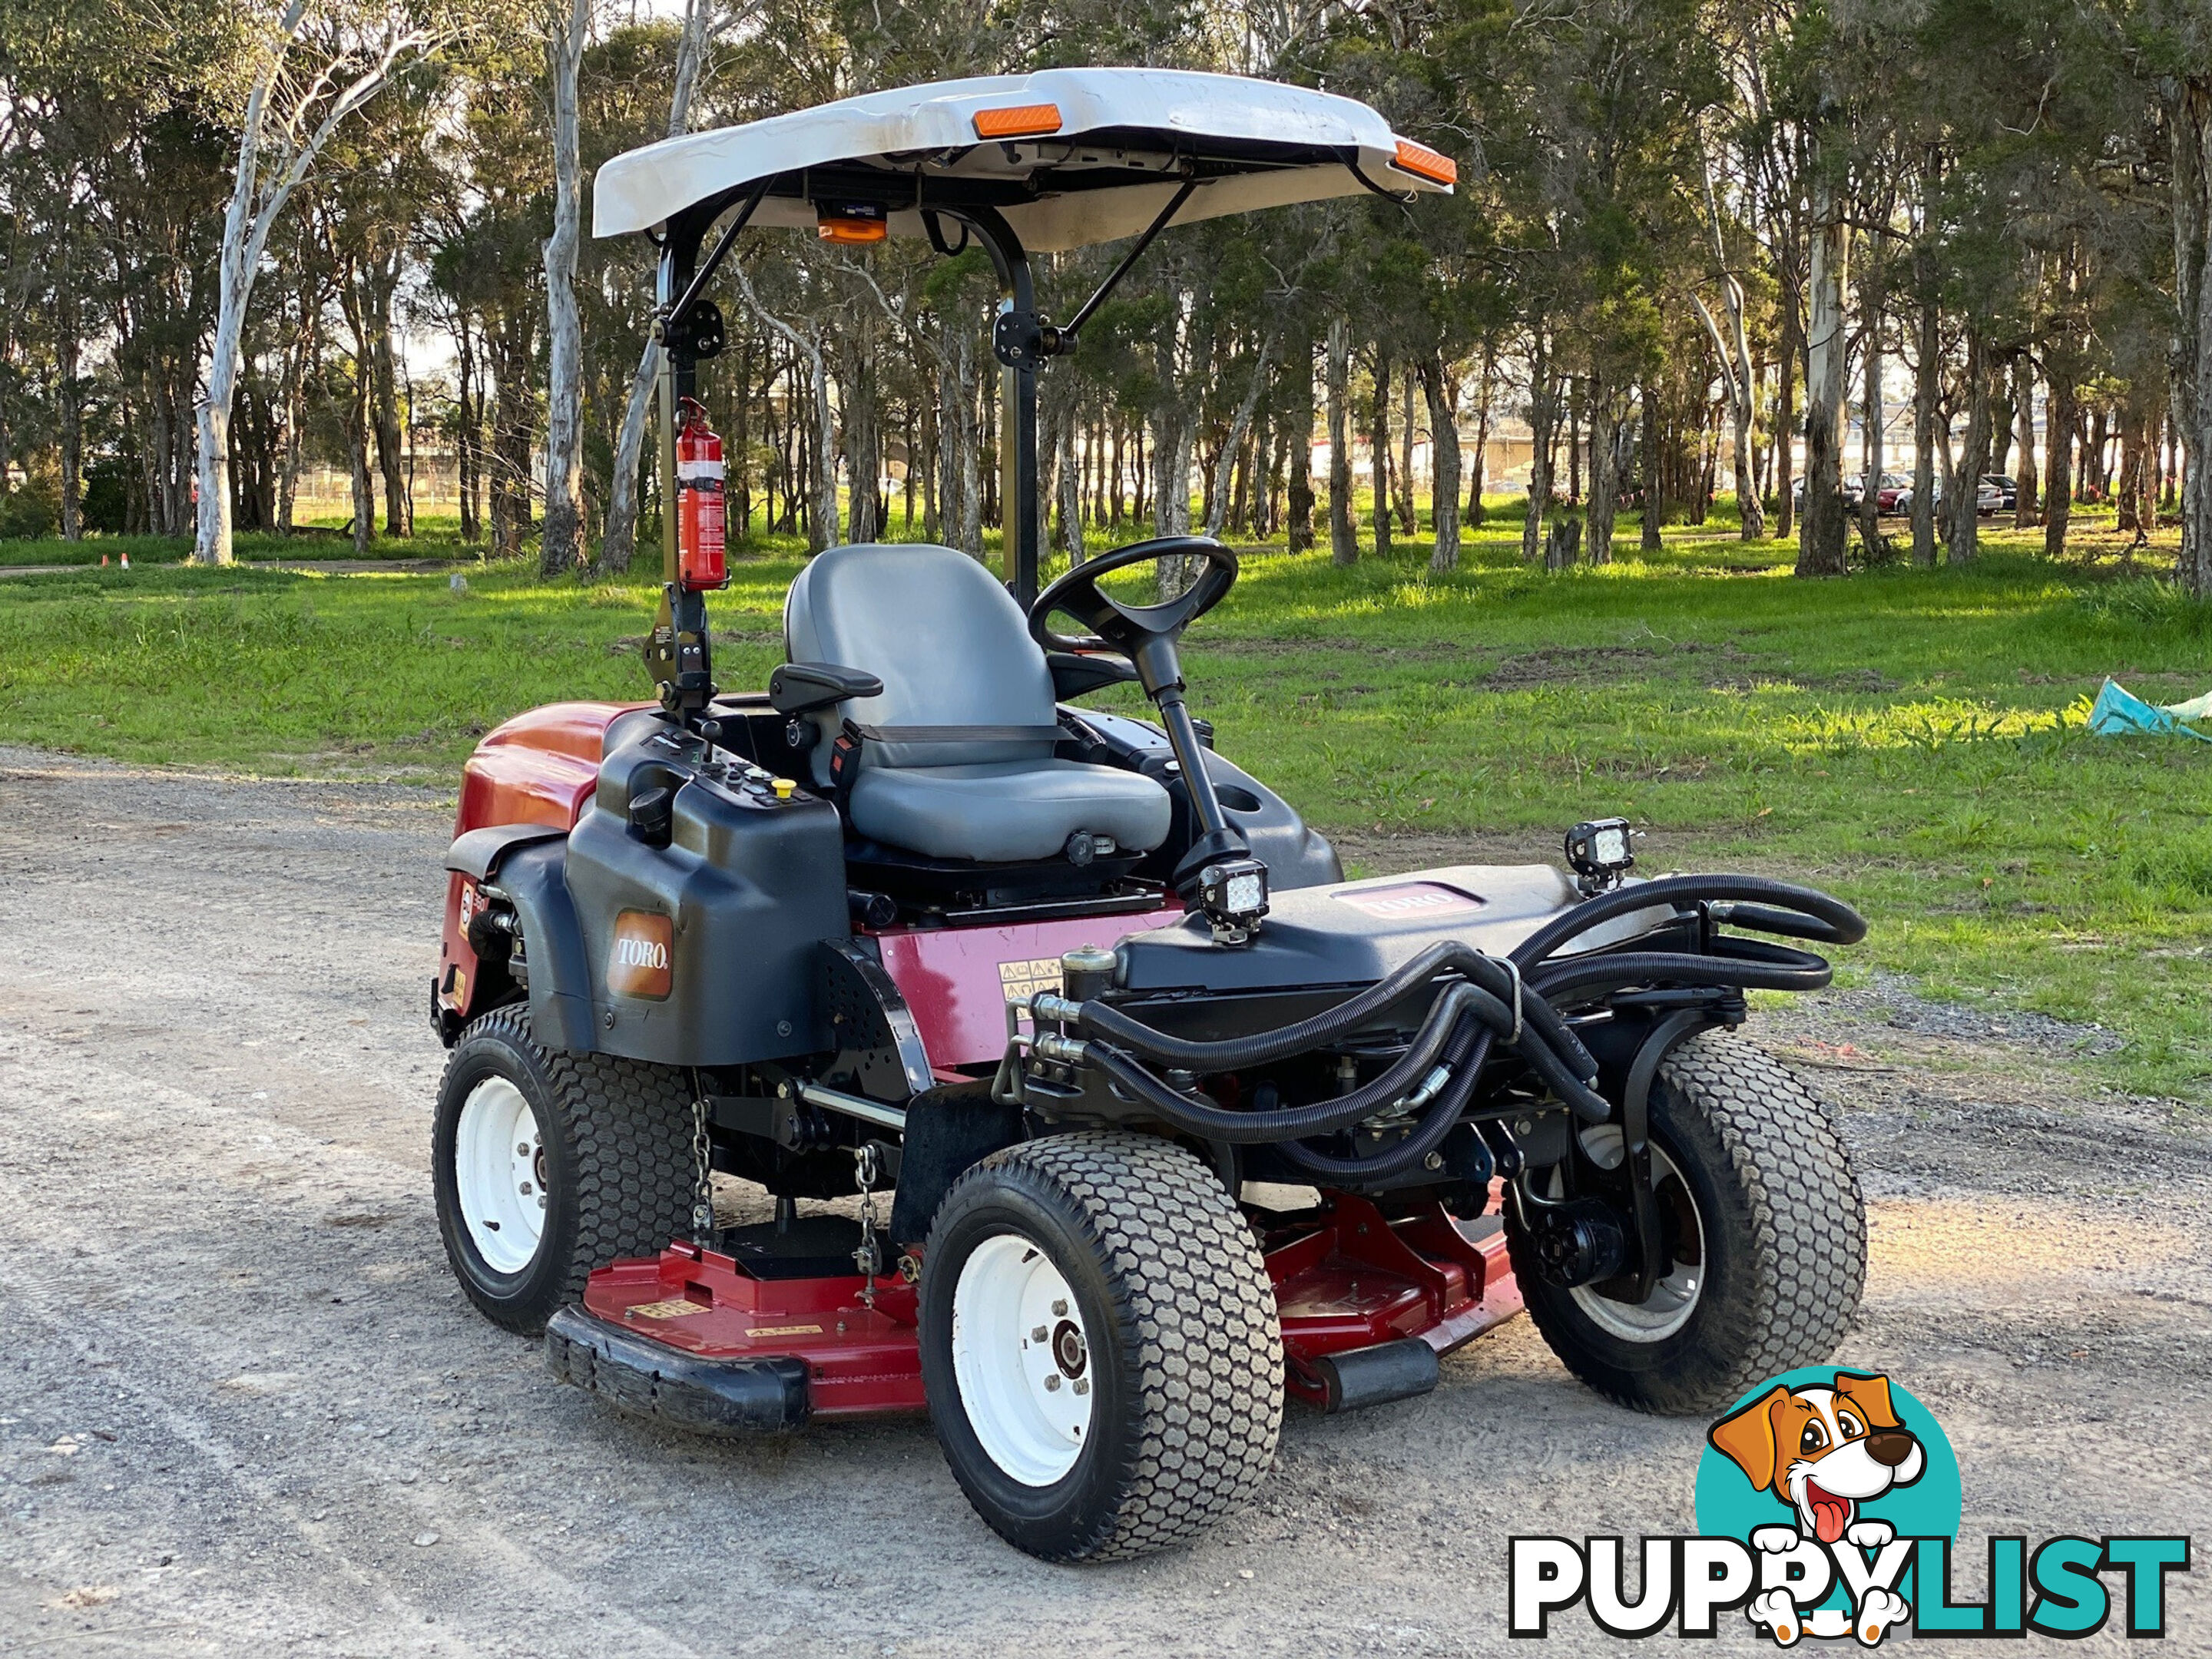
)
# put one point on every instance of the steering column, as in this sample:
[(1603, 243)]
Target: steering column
[(1218, 875)]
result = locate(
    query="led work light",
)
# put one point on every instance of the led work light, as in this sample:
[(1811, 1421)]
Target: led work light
[(1601, 852)]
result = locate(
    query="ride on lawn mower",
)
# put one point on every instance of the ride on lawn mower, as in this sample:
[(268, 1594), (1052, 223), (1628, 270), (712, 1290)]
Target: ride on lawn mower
[(1172, 1120)]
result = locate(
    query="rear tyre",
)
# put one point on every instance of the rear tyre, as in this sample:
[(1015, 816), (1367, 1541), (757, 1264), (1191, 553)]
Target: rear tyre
[(1100, 1346), (1758, 1192), (549, 1165)]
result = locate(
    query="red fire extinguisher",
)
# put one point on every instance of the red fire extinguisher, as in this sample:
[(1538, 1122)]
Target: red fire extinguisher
[(701, 521)]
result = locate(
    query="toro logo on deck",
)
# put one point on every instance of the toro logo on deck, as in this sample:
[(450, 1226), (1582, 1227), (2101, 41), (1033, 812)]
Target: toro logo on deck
[(1828, 1504), (1412, 898), (640, 965)]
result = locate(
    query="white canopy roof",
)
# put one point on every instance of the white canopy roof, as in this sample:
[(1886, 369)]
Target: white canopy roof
[(1071, 150)]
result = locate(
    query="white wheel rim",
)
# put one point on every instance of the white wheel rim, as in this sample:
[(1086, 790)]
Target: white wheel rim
[(1675, 1297), (1022, 1359), (499, 1175)]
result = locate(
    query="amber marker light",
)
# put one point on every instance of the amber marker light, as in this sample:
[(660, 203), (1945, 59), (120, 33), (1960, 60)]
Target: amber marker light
[(852, 223), (1425, 163), (1021, 121)]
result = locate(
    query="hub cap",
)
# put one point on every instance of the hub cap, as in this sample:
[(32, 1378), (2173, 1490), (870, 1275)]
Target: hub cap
[(1022, 1360), (499, 1175), (1675, 1297)]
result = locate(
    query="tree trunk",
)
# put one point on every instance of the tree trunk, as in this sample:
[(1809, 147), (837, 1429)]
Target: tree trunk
[(2058, 460), (70, 394), (2025, 504), (1785, 416), (1487, 389), (363, 486), (1378, 446), (1925, 385), (2188, 98), (1239, 427), (1821, 546), (618, 541), (1298, 432), (1343, 532), (1541, 416), (383, 281), (1966, 487), (1870, 318), (562, 547), (1655, 500), (1409, 516), (1441, 388), (1604, 415)]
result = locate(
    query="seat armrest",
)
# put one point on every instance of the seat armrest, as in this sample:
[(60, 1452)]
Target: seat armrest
[(1074, 676), (801, 687)]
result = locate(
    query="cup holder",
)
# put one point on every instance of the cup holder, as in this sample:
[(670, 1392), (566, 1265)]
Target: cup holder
[(1236, 797)]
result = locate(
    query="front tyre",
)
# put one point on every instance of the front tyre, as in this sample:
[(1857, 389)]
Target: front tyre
[(1099, 1344), (548, 1166), (1761, 1206)]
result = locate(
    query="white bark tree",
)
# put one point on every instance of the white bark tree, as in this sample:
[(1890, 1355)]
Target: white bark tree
[(1737, 370), (569, 31), (299, 90), (823, 531), (619, 544)]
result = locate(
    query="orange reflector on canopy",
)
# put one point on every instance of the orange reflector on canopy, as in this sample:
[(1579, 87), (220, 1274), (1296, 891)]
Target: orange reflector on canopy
[(1426, 163), (1018, 121)]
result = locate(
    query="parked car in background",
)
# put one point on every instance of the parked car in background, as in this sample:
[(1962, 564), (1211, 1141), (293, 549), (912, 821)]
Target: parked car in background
[(1988, 498), (2008, 491), (1885, 493), (1853, 493)]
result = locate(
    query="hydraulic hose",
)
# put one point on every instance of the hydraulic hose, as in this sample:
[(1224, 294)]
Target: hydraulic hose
[(1746, 963), (1439, 1121), (1203, 1118), (1845, 925), (1236, 1053)]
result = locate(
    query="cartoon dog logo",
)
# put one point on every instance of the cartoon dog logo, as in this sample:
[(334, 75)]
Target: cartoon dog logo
[(1825, 1452)]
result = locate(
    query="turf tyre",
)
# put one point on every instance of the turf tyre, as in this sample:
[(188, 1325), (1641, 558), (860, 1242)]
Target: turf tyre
[(1185, 1352), (617, 1135), (1785, 1227)]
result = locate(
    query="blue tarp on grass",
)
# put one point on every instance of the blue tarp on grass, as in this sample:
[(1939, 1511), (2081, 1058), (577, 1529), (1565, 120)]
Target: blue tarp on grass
[(2119, 712)]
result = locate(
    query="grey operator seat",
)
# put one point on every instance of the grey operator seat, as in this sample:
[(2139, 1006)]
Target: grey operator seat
[(956, 760)]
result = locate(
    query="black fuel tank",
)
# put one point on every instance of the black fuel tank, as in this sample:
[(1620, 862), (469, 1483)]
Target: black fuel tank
[(702, 952)]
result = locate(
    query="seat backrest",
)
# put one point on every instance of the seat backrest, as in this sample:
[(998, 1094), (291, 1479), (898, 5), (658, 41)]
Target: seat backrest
[(962, 680)]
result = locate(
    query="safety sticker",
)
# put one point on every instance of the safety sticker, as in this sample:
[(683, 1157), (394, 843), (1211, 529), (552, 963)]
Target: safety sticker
[(1027, 976), (675, 1308), (783, 1330)]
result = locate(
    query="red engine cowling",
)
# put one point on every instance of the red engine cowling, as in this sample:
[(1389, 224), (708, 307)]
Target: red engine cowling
[(538, 768)]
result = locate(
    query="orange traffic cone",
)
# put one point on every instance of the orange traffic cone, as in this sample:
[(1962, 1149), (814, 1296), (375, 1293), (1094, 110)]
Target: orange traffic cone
[(126, 562), (103, 562)]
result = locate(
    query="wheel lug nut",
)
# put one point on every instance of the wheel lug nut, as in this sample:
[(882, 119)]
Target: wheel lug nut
[(1039, 1333), (526, 1189), (1060, 1310), (522, 1150), (1052, 1383), (1083, 1385)]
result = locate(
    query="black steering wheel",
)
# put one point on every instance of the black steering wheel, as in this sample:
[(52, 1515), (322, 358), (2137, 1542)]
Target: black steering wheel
[(1127, 629)]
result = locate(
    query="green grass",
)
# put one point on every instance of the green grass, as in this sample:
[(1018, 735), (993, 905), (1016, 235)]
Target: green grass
[(433, 539), (1913, 739)]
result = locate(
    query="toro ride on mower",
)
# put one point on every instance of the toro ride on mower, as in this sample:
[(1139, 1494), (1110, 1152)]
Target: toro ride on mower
[(1153, 1117)]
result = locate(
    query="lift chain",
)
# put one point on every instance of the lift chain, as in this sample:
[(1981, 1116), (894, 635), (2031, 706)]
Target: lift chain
[(869, 1257), (703, 1172)]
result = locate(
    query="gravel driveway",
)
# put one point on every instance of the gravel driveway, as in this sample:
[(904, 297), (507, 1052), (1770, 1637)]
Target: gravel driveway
[(244, 1409)]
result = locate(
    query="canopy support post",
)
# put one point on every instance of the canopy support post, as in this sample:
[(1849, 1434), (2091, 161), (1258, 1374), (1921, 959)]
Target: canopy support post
[(677, 654), (1016, 341)]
